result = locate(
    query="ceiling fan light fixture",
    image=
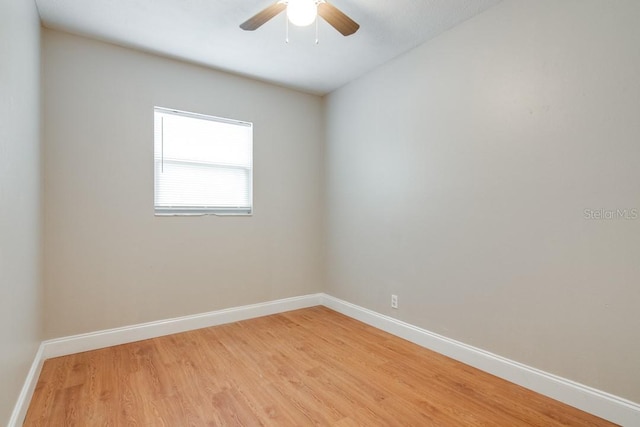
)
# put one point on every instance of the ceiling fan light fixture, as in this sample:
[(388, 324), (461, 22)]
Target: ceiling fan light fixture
[(302, 12)]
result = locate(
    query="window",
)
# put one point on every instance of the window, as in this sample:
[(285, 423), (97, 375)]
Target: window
[(203, 164)]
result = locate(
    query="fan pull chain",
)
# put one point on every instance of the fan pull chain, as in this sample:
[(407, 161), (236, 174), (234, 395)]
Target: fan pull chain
[(317, 39), (286, 39)]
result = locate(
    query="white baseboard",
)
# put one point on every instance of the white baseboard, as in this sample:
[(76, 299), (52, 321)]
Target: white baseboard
[(101, 339), (599, 403), (22, 405), (593, 401)]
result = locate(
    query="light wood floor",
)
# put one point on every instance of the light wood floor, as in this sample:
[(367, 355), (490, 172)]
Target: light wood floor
[(305, 367)]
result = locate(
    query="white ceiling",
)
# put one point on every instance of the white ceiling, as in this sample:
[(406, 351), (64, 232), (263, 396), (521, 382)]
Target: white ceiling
[(207, 32)]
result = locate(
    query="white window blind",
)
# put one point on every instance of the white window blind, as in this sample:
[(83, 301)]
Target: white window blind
[(203, 164)]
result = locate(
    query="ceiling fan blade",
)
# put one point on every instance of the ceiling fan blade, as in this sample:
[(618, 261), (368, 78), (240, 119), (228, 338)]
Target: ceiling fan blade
[(263, 16), (337, 19)]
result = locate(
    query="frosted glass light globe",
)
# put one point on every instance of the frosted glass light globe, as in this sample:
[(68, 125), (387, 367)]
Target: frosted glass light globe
[(302, 12)]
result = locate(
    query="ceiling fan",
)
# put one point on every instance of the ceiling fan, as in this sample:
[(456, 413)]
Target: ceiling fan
[(303, 13)]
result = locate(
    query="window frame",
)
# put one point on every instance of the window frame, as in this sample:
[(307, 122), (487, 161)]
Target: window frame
[(196, 210)]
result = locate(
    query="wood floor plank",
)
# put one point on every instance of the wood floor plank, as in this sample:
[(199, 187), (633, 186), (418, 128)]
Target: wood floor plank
[(305, 367)]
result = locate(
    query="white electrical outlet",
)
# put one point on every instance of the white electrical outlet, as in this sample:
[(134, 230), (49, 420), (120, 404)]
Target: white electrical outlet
[(394, 301)]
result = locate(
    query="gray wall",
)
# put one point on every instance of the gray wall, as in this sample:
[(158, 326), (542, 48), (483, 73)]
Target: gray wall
[(458, 175), (20, 289), (108, 261)]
